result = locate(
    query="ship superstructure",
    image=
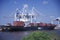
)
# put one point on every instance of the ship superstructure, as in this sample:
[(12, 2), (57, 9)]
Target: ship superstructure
[(26, 16)]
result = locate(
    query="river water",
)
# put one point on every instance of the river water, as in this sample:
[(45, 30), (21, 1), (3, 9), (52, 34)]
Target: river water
[(19, 35)]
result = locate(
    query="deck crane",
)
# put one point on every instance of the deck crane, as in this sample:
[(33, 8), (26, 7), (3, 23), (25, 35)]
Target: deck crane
[(27, 15)]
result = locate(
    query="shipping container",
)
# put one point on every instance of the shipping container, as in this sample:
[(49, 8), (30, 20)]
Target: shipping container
[(18, 23)]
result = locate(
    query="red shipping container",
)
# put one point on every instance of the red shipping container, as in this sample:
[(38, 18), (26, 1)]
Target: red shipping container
[(18, 23)]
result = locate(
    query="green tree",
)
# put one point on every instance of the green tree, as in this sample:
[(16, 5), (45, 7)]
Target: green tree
[(39, 35)]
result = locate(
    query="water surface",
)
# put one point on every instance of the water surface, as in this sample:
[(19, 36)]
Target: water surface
[(19, 35)]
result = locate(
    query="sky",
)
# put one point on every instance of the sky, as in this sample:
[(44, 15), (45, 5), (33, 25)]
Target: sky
[(45, 7)]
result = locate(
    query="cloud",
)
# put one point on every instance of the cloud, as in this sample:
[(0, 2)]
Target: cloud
[(45, 2), (15, 2)]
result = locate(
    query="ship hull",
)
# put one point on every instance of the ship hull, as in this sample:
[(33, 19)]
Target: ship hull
[(21, 28)]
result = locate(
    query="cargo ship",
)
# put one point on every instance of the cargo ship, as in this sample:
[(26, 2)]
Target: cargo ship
[(23, 21)]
